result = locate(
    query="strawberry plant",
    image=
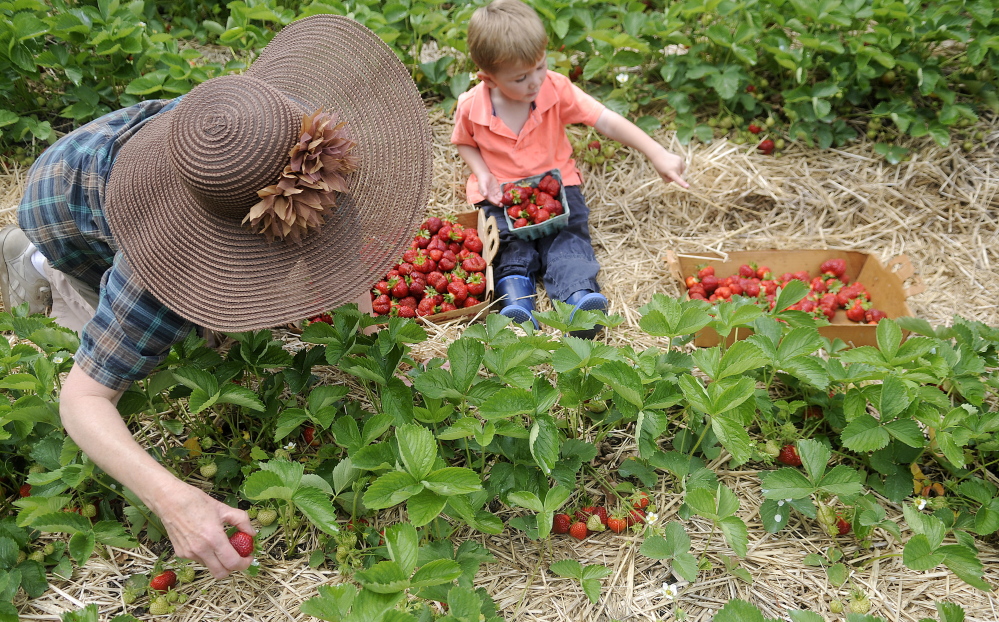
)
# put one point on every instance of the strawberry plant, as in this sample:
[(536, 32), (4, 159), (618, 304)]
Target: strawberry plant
[(588, 576)]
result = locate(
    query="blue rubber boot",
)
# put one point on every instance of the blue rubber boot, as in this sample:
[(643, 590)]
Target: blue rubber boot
[(587, 300), (518, 294)]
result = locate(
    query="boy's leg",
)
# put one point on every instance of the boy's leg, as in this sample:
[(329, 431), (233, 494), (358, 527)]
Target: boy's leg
[(514, 267), (571, 267)]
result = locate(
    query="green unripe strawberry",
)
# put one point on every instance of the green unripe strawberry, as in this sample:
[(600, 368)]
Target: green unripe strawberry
[(252, 512), (172, 596), (185, 574), (49, 549), (593, 523), (266, 516), (206, 443), (160, 606), (21, 556), (595, 406), (836, 606), (859, 603), (282, 454), (37, 556), (827, 519), (128, 596), (36, 468), (771, 448), (209, 469), (89, 510)]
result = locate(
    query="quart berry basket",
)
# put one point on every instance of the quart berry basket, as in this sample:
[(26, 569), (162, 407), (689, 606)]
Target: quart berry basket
[(548, 227)]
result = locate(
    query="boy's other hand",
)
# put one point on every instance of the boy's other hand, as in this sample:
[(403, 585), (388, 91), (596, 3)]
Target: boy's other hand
[(671, 166), (490, 188)]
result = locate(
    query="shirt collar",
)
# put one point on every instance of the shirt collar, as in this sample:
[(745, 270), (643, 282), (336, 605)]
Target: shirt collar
[(481, 110)]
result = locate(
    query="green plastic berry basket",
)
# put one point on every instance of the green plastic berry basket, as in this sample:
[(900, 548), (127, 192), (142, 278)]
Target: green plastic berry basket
[(548, 227)]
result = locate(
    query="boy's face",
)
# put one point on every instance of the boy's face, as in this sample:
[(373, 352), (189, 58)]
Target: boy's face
[(520, 83)]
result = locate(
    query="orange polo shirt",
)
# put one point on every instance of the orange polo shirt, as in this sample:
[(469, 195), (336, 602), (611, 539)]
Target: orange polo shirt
[(541, 145)]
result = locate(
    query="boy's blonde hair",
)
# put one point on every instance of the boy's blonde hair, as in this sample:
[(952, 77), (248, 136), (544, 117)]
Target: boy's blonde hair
[(505, 33)]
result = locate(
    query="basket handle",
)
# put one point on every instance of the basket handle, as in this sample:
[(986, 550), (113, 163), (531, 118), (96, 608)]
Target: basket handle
[(901, 267), (490, 239)]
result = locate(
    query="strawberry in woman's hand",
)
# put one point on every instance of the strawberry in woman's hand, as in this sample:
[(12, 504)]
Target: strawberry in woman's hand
[(242, 542)]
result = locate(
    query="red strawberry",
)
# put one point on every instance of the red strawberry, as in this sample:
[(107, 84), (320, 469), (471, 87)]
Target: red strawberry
[(755, 129), (617, 524), (789, 455), (459, 290), (242, 542), (474, 263), (309, 436), (835, 267), (640, 500), (421, 240), (601, 512), (842, 525), (163, 581), (520, 222), (476, 284), (561, 523), (873, 316), (766, 146), (746, 271), (578, 530), (635, 516), (706, 271), (432, 224), (473, 244), (427, 306), (710, 283), (399, 289), (381, 305), (856, 312), (541, 216), (407, 311), (381, 287), (751, 88), (507, 199), (594, 145), (471, 301), (691, 281)]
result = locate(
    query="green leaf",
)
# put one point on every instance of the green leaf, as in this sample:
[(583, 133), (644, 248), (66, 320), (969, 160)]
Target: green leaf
[(526, 499), (736, 534), (792, 292), (864, 434), (390, 489), (568, 568), (737, 610), (786, 483), (436, 572), (962, 561), (332, 603), (316, 505), (453, 481), (889, 337), (385, 577), (544, 442), (842, 480), (918, 554), (424, 507), (732, 434), (81, 546), (814, 457), (507, 402), (621, 377), (417, 448)]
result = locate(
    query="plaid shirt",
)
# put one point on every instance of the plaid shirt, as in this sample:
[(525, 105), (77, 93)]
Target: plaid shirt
[(62, 213)]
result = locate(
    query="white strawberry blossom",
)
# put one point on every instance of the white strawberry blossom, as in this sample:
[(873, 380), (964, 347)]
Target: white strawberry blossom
[(622, 78), (651, 518), (289, 446), (670, 591), (921, 505)]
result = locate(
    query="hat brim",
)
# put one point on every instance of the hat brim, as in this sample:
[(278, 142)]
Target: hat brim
[(218, 274)]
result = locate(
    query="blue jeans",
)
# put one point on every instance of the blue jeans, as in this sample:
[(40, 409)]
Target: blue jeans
[(565, 258)]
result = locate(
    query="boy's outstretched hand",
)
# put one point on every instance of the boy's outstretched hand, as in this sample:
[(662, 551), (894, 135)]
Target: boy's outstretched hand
[(670, 166)]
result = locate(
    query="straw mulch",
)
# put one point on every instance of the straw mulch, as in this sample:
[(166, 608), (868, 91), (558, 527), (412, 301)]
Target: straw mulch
[(939, 209)]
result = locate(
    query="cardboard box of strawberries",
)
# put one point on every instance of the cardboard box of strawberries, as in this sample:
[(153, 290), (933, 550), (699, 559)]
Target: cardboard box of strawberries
[(445, 273), (850, 289)]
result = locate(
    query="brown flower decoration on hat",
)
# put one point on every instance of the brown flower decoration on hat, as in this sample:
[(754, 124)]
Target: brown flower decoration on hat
[(320, 161)]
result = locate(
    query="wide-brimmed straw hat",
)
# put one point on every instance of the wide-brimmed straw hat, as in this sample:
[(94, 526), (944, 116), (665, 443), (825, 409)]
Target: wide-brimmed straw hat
[(324, 139)]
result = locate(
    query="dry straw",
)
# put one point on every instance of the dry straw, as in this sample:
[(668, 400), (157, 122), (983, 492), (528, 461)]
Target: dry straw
[(940, 208)]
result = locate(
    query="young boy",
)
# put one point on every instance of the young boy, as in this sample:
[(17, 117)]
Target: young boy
[(511, 126)]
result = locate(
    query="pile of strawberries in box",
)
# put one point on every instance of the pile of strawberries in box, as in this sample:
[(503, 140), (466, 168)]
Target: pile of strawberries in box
[(830, 290), (528, 205), (442, 270)]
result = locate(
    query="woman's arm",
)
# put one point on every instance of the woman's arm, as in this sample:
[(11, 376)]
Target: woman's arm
[(194, 520)]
